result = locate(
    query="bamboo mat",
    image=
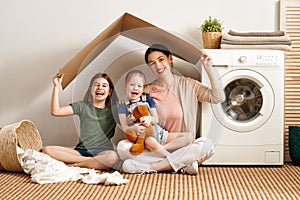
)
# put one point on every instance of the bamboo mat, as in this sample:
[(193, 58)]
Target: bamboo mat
[(212, 182)]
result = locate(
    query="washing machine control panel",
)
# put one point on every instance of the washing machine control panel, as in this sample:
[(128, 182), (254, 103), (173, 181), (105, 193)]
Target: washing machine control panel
[(263, 58), (246, 58)]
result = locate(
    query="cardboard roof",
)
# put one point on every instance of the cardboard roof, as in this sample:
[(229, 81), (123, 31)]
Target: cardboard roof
[(136, 29)]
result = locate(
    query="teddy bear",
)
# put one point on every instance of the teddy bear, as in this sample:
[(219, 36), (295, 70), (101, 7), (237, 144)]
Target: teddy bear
[(139, 138)]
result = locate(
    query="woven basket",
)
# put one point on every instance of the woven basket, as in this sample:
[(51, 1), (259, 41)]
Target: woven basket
[(23, 134), (211, 40)]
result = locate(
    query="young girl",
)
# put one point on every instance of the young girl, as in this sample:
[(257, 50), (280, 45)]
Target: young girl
[(134, 85), (97, 125)]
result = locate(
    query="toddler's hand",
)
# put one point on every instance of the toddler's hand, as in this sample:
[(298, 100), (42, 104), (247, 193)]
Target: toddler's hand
[(138, 128), (146, 120)]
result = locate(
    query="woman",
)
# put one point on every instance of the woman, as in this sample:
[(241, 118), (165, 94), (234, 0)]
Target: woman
[(97, 125), (177, 100)]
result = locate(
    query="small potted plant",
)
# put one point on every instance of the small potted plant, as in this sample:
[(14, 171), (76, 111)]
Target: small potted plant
[(211, 33)]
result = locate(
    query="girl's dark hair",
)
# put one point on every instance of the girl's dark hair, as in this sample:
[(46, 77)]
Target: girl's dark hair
[(88, 98), (157, 47)]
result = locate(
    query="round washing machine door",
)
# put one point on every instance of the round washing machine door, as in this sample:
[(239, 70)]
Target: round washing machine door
[(249, 101)]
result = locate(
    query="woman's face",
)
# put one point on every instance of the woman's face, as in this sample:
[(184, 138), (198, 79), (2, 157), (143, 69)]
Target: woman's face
[(160, 64), (100, 89)]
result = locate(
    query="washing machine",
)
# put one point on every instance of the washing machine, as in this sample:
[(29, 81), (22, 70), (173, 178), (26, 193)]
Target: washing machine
[(248, 127)]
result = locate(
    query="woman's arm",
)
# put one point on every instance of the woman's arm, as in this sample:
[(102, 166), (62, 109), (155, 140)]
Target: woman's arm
[(55, 108), (217, 93)]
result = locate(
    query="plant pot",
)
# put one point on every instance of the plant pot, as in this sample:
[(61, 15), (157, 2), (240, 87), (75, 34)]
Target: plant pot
[(211, 40), (294, 144)]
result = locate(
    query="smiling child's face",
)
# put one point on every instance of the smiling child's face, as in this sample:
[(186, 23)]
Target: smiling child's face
[(100, 90), (134, 87)]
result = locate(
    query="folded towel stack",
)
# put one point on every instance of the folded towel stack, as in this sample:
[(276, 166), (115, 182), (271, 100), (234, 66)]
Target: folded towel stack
[(255, 40)]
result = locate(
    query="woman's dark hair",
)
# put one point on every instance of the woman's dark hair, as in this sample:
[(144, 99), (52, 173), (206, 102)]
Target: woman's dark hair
[(157, 47), (88, 98)]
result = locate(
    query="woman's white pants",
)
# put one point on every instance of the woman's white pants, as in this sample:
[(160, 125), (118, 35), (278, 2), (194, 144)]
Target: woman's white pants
[(201, 149)]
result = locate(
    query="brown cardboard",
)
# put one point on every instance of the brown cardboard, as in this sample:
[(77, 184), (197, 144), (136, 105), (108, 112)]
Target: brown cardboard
[(136, 29)]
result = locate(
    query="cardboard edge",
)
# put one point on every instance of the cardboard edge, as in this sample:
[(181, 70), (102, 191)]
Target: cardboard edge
[(90, 51), (134, 28)]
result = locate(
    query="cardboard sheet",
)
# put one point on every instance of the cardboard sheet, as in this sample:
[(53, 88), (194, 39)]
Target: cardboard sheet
[(136, 29)]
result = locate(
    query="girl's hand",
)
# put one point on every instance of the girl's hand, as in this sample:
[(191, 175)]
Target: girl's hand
[(146, 121), (57, 79)]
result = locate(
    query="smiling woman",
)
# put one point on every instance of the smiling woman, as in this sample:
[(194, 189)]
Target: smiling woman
[(177, 98), (97, 125)]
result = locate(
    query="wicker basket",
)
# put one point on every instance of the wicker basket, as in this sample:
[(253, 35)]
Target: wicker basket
[(23, 134), (211, 40)]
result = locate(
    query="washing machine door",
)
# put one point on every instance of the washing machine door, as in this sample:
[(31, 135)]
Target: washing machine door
[(249, 101)]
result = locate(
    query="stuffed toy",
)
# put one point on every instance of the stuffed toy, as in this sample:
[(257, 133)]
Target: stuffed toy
[(139, 138)]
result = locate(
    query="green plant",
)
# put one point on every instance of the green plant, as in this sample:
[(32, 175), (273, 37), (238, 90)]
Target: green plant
[(211, 25)]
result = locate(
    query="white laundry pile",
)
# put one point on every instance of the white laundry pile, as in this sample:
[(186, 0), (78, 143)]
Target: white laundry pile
[(107, 179), (44, 169)]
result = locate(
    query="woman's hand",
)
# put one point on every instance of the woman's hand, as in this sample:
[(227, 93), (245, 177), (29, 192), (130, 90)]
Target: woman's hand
[(206, 61)]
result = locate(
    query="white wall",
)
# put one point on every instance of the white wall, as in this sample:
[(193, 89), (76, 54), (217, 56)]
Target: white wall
[(39, 37)]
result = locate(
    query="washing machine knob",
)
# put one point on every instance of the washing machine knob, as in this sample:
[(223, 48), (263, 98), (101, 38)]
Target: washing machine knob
[(242, 59)]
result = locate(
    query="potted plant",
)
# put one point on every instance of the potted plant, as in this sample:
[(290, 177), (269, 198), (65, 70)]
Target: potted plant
[(211, 33)]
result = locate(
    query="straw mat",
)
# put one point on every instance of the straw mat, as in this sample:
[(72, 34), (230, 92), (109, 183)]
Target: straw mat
[(212, 182)]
